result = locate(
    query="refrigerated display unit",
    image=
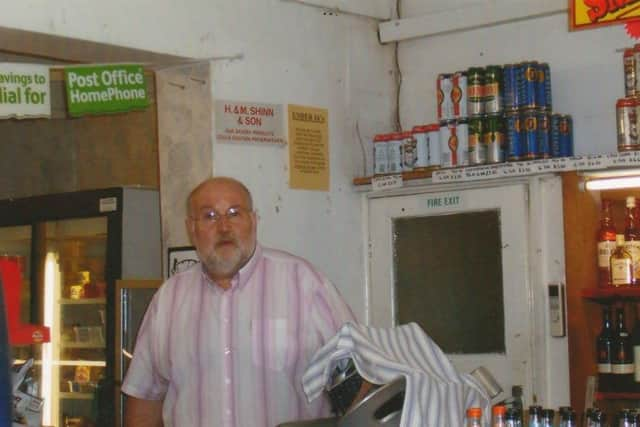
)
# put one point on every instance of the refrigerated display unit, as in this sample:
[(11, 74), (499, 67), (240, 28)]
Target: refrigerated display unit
[(73, 248)]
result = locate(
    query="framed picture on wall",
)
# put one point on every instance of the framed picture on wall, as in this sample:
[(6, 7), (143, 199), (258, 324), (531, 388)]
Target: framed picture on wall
[(181, 258)]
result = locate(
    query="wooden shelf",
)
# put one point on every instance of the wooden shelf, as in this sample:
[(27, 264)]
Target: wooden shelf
[(82, 301), (608, 294), (406, 176), (617, 396), (88, 345), (77, 396)]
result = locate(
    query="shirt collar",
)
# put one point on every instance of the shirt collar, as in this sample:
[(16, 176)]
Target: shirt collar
[(242, 277)]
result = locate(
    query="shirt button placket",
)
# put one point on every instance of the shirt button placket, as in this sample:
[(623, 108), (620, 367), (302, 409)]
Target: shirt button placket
[(227, 363)]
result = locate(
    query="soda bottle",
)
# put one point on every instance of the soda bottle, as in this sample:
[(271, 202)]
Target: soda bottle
[(498, 416), (474, 417)]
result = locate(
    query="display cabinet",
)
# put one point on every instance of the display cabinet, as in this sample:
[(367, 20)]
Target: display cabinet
[(74, 247), (585, 299)]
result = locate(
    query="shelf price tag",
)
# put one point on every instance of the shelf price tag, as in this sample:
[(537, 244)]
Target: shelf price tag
[(542, 165), (560, 164), (622, 159), (635, 158), (597, 161), (579, 162), (447, 175), (524, 168), (481, 172), (386, 182), (593, 161), (507, 169)]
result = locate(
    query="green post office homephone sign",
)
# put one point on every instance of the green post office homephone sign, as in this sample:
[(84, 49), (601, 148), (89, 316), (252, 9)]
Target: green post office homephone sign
[(105, 89)]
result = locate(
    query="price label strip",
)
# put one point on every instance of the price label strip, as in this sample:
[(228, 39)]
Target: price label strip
[(532, 167)]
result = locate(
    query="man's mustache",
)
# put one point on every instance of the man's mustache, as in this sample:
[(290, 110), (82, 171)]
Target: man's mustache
[(229, 238)]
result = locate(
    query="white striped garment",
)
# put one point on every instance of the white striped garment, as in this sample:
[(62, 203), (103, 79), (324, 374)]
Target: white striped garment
[(436, 394), (235, 358)]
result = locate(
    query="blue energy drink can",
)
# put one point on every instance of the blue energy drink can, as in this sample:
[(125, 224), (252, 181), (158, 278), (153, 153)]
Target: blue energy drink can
[(543, 86), (561, 135), (566, 135), (530, 135), (513, 136), (511, 75), (544, 140), (527, 86)]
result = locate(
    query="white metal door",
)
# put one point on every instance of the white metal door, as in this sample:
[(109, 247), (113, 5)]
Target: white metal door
[(509, 204)]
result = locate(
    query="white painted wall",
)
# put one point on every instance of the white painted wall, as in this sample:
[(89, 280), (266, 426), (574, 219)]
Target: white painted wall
[(332, 62), (586, 67), (291, 54)]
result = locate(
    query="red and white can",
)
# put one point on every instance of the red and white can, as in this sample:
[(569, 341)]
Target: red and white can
[(636, 68), (630, 73), (394, 152), (627, 124), (427, 145), (459, 95), (445, 103), (409, 152), (435, 153), (421, 135), (380, 154), (454, 141), (462, 132)]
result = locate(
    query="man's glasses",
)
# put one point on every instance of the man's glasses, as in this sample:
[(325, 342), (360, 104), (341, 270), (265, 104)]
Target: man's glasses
[(210, 217)]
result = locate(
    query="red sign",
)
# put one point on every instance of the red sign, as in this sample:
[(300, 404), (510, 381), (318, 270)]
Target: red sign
[(19, 333)]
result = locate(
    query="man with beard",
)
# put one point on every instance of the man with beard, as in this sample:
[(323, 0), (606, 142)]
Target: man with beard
[(226, 342)]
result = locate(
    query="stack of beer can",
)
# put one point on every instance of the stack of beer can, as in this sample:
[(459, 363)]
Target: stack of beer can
[(417, 149), (628, 108), (485, 115), (508, 115)]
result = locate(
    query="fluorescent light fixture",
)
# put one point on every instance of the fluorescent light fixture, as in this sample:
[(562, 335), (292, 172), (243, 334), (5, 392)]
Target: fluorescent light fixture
[(50, 351), (613, 183), (47, 348), (611, 179)]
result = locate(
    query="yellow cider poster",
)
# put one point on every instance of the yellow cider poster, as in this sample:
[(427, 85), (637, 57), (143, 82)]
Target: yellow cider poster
[(308, 148)]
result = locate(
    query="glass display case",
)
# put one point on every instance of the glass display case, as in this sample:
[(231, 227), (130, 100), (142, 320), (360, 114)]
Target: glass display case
[(73, 248), (75, 310)]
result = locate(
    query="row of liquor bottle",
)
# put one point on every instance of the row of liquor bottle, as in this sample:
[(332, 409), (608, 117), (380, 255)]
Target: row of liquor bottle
[(536, 416), (618, 255), (493, 90), (618, 354), (529, 135)]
